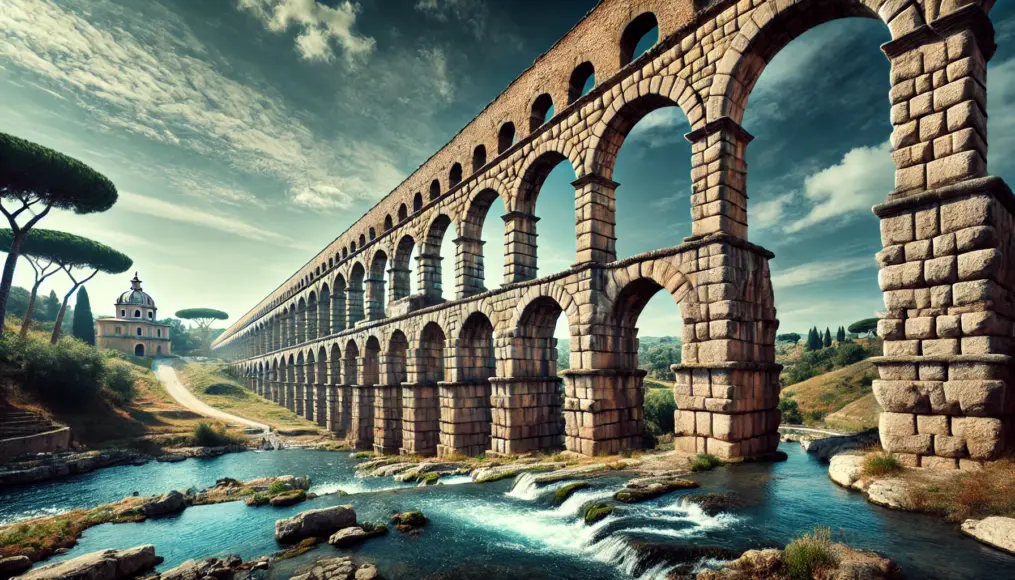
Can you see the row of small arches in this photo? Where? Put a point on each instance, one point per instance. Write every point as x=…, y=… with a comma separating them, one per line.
x=633, y=43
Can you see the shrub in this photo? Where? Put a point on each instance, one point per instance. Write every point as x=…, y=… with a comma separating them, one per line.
x=119, y=383
x=61, y=373
x=704, y=462
x=790, y=411
x=276, y=487
x=659, y=409
x=878, y=464
x=205, y=435
x=805, y=555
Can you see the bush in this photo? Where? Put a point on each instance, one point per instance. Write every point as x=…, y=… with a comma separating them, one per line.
x=790, y=411
x=119, y=383
x=849, y=353
x=805, y=555
x=276, y=488
x=704, y=462
x=63, y=373
x=659, y=409
x=205, y=435
x=878, y=464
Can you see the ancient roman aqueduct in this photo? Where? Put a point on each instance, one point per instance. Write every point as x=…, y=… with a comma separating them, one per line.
x=343, y=343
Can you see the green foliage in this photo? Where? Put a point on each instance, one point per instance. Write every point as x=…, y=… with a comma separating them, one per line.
x=823, y=360
x=276, y=487
x=83, y=325
x=704, y=462
x=805, y=555
x=205, y=435
x=565, y=491
x=880, y=464
x=31, y=170
x=62, y=374
x=840, y=335
x=790, y=337
x=596, y=512
x=659, y=409
x=50, y=307
x=119, y=382
x=865, y=326
x=827, y=341
x=198, y=314
x=790, y=411
x=68, y=250
x=849, y=353
x=814, y=341
x=17, y=301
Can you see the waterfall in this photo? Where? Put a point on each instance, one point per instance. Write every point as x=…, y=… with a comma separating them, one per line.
x=525, y=488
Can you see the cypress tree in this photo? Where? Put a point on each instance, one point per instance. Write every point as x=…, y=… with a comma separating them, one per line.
x=840, y=335
x=50, y=307
x=813, y=339
x=84, y=325
x=828, y=338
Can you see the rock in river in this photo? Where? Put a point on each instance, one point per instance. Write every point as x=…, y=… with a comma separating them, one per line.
x=14, y=565
x=353, y=535
x=104, y=565
x=314, y=523
x=170, y=503
x=648, y=487
x=994, y=531
x=339, y=569
x=845, y=470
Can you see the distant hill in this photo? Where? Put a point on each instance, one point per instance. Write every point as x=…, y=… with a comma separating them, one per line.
x=655, y=354
x=839, y=399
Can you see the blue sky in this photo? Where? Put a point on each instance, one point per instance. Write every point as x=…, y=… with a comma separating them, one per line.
x=244, y=135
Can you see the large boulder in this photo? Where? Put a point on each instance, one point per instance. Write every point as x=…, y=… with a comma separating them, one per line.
x=104, y=565
x=217, y=568
x=845, y=470
x=287, y=498
x=14, y=565
x=994, y=531
x=339, y=569
x=647, y=488
x=314, y=523
x=170, y=503
x=892, y=493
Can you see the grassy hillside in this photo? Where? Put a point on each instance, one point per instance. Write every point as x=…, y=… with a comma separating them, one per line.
x=842, y=396
x=212, y=383
x=128, y=402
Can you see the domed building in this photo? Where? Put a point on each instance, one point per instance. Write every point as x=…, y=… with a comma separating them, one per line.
x=133, y=329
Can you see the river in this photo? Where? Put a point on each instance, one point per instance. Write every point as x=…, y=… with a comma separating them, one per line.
x=511, y=528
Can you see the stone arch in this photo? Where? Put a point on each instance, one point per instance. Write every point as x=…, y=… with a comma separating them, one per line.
x=375, y=295
x=324, y=314
x=401, y=268
x=633, y=32
x=429, y=274
x=403, y=213
x=505, y=137
x=430, y=368
x=629, y=302
x=371, y=361
x=555, y=292
x=455, y=175
x=769, y=30
x=335, y=360
x=541, y=105
x=338, y=303
x=398, y=350
x=535, y=169
x=435, y=189
x=312, y=315
x=362, y=241
x=417, y=202
x=350, y=364
x=322, y=365
x=478, y=157
x=354, y=300
x=465, y=403
x=631, y=107
x=301, y=320
x=470, y=270
x=579, y=77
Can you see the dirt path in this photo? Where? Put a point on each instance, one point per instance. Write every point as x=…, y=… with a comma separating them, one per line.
x=167, y=375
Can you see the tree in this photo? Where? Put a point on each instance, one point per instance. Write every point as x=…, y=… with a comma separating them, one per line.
x=203, y=318
x=827, y=342
x=50, y=307
x=17, y=302
x=84, y=324
x=82, y=253
x=866, y=326
x=44, y=250
x=840, y=335
x=814, y=339
x=789, y=337
x=35, y=179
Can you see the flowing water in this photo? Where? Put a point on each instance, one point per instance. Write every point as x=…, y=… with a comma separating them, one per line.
x=511, y=528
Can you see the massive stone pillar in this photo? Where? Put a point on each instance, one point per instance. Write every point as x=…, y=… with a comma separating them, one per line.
x=333, y=401
x=468, y=267
x=428, y=270
x=399, y=283
x=727, y=386
x=420, y=419
x=387, y=418
x=719, y=179
x=596, y=220
x=519, y=247
x=948, y=237
x=354, y=305
x=604, y=410
x=361, y=421
x=321, y=404
x=525, y=397
x=464, y=417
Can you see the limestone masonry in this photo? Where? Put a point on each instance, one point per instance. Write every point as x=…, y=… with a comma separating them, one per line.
x=343, y=342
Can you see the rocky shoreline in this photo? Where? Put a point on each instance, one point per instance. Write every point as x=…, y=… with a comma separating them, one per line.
x=57, y=465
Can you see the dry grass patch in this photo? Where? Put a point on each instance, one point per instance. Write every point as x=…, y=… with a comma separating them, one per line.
x=969, y=494
x=880, y=464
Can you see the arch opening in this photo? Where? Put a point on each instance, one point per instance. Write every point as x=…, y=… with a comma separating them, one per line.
x=403, y=213
x=505, y=137
x=541, y=112
x=583, y=80
x=435, y=189
x=338, y=304
x=455, y=175
x=548, y=179
x=638, y=37
x=139, y=350
x=478, y=158
x=417, y=202
x=375, y=295
x=401, y=269
x=476, y=270
x=354, y=300
x=431, y=278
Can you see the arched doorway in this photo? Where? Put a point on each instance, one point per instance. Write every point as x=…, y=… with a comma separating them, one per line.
x=139, y=350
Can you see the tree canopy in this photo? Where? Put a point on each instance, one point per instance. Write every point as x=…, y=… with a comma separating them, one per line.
x=37, y=179
x=865, y=326
x=789, y=337
x=201, y=315
x=83, y=325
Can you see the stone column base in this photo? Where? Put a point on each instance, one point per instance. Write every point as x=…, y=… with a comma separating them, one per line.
x=320, y=405
x=361, y=420
x=420, y=415
x=387, y=418
x=299, y=399
x=308, y=402
x=334, y=420
x=946, y=411
x=727, y=409
x=525, y=414
x=290, y=397
x=603, y=410
x=465, y=418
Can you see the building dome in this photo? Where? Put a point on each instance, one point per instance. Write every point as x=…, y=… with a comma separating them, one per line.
x=135, y=296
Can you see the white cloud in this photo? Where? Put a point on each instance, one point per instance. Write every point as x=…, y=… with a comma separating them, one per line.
x=319, y=26
x=661, y=127
x=158, y=208
x=154, y=78
x=822, y=271
x=769, y=213
x=862, y=179
x=474, y=14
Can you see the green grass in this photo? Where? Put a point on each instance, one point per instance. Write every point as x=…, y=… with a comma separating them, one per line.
x=561, y=495
x=704, y=462
x=596, y=512
x=806, y=554
x=880, y=464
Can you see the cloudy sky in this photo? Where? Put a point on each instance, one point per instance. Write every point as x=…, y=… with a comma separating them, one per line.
x=244, y=135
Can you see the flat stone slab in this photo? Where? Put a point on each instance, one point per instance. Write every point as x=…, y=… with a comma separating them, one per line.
x=103, y=565
x=488, y=474
x=845, y=470
x=569, y=473
x=314, y=523
x=891, y=493
x=995, y=531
